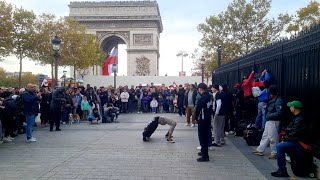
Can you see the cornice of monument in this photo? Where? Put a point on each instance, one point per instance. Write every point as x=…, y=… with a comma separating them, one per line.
x=155, y=16
x=112, y=3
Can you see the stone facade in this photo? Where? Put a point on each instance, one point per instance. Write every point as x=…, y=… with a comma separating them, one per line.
x=134, y=23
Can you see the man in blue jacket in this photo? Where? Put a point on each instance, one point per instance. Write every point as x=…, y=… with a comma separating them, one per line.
x=31, y=109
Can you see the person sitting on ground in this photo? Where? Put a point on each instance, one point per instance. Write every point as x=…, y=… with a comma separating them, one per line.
x=163, y=121
x=297, y=131
x=111, y=112
x=94, y=116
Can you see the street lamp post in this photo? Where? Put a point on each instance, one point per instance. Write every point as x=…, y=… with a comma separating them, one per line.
x=114, y=70
x=182, y=54
x=64, y=76
x=202, y=68
x=56, y=47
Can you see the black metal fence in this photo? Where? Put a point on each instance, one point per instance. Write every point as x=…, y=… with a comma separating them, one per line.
x=294, y=67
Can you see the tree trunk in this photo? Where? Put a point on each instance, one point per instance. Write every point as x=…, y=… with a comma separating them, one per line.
x=74, y=75
x=52, y=82
x=20, y=72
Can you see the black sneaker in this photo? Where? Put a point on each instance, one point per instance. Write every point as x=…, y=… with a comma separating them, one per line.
x=199, y=153
x=144, y=139
x=216, y=145
x=202, y=159
x=280, y=174
x=58, y=129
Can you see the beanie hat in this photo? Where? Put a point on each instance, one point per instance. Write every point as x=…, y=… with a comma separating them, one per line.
x=295, y=104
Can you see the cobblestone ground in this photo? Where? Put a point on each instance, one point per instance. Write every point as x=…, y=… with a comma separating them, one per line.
x=116, y=151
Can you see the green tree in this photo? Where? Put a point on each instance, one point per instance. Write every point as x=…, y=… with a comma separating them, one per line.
x=23, y=35
x=305, y=17
x=80, y=50
x=46, y=27
x=208, y=66
x=6, y=27
x=240, y=29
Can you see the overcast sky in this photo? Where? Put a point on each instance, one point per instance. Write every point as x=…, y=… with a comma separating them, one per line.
x=179, y=17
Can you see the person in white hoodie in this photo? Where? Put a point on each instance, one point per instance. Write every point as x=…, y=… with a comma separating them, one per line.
x=154, y=104
x=124, y=96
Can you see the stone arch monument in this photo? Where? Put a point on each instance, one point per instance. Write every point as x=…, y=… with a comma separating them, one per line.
x=134, y=23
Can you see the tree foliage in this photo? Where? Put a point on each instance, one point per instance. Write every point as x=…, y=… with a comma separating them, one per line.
x=6, y=27
x=240, y=29
x=208, y=66
x=14, y=82
x=305, y=17
x=80, y=50
x=26, y=35
x=23, y=35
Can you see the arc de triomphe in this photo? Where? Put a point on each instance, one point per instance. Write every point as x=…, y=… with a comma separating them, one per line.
x=134, y=23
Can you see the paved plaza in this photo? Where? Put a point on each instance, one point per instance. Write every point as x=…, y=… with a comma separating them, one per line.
x=116, y=151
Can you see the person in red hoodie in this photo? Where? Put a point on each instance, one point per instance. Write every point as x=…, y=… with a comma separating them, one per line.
x=247, y=85
x=249, y=106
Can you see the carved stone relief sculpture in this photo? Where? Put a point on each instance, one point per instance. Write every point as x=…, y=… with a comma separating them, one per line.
x=143, y=39
x=143, y=66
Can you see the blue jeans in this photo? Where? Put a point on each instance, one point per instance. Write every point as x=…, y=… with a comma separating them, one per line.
x=261, y=117
x=154, y=109
x=67, y=111
x=30, y=120
x=289, y=148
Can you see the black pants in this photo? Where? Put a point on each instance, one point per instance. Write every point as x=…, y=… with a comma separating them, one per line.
x=124, y=107
x=7, y=124
x=55, y=118
x=182, y=111
x=229, y=122
x=204, y=129
x=79, y=111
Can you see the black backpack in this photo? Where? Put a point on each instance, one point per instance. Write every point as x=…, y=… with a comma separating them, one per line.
x=252, y=135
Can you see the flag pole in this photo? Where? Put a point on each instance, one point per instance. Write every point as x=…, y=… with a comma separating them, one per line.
x=115, y=72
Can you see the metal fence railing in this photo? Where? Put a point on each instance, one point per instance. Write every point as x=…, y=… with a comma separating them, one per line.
x=294, y=67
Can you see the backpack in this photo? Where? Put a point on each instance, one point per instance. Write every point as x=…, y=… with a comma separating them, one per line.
x=252, y=135
x=256, y=91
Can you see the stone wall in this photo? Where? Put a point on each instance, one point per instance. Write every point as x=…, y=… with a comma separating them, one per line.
x=136, y=80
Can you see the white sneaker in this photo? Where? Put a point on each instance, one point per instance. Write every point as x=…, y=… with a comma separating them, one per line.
x=64, y=123
x=32, y=140
x=211, y=148
x=231, y=132
x=192, y=125
x=199, y=147
x=6, y=139
x=226, y=133
x=11, y=138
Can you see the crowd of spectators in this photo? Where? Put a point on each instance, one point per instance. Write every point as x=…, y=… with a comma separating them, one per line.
x=255, y=100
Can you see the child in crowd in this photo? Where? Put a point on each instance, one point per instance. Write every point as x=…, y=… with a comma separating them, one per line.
x=85, y=108
x=154, y=104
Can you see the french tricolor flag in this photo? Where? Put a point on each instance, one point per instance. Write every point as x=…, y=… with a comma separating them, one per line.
x=112, y=59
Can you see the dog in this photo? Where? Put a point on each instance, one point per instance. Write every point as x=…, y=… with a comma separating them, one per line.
x=73, y=118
